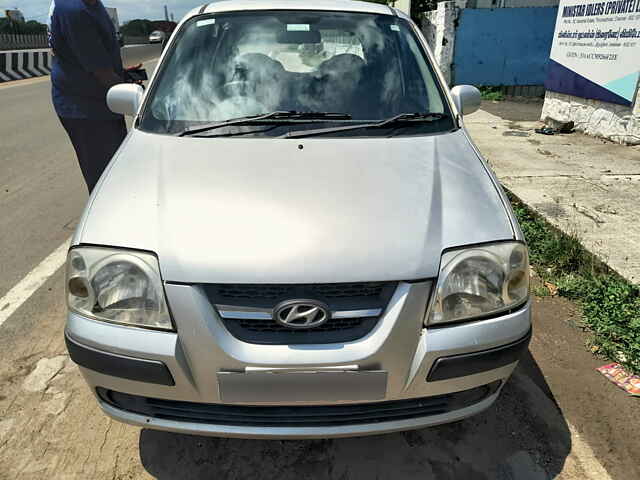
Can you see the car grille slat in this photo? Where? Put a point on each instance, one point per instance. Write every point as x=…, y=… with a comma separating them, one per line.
x=309, y=421
x=283, y=291
x=339, y=297
x=254, y=412
x=270, y=326
x=296, y=415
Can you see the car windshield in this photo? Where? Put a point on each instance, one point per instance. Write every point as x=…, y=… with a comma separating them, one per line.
x=367, y=67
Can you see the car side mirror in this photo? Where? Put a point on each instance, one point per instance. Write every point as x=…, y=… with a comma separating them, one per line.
x=125, y=98
x=467, y=99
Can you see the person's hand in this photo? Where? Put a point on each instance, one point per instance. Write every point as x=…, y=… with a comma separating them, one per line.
x=129, y=77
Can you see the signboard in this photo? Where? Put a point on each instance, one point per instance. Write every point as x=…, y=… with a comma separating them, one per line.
x=596, y=50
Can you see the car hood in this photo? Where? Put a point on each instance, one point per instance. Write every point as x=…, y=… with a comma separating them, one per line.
x=310, y=210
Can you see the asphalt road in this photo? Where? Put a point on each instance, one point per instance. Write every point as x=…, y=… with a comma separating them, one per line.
x=51, y=427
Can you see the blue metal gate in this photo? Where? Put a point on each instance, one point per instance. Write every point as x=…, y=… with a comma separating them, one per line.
x=505, y=46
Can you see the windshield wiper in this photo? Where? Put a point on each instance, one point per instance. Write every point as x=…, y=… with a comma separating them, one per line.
x=278, y=116
x=406, y=118
x=239, y=133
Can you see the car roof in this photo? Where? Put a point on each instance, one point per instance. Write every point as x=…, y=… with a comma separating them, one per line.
x=219, y=6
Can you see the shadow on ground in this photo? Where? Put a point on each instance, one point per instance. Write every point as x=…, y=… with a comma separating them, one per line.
x=523, y=436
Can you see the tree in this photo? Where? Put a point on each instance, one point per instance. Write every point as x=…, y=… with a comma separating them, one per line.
x=137, y=28
x=5, y=26
x=31, y=27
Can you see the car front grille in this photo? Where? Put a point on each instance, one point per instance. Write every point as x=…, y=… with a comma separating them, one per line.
x=270, y=294
x=297, y=416
x=363, y=296
x=333, y=325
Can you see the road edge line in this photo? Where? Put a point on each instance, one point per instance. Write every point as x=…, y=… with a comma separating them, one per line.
x=587, y=458
x=26, y=287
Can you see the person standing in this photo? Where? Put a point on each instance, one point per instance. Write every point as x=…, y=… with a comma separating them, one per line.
x=86, y=64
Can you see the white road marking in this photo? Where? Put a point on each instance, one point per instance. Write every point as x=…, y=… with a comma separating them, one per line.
x=588, y=461
x=32, y=282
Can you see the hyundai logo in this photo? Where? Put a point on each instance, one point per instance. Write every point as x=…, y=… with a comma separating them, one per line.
x=301, y=314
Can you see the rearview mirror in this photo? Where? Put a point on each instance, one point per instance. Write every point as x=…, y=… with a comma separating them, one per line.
x=125, y=98
x=299, y=37
x=467, y=99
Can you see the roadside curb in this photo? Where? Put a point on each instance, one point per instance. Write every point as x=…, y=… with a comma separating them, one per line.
x=22, y=64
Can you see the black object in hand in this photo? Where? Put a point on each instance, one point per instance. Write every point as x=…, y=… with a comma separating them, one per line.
x=135, y=76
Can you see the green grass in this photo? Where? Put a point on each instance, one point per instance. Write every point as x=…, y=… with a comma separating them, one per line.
x=492, y=93
x=610, y=305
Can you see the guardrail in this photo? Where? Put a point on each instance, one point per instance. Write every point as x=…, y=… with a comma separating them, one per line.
x=20, y=64
x=22, y=58
x=136, y=40
x=9, y=41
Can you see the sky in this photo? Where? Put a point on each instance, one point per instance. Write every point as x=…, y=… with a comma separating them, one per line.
x=127, y=9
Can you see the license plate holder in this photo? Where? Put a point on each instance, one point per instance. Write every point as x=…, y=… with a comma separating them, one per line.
x=294, y=387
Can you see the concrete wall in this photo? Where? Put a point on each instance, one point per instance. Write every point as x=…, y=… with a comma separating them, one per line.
x=439, y=27
x=22, y=42
x=20, y=64
x=404, y=5
x=617, y=123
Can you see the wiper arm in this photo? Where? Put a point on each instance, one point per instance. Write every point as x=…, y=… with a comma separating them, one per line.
x=403, y=117
x=239, y=133
x=274, y=116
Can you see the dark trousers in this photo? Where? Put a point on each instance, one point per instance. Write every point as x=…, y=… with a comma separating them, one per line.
x=95, y=142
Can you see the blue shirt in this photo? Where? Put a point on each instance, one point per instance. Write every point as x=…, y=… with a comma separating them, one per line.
x=83, y=39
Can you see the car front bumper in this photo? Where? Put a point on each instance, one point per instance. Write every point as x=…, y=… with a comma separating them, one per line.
x=191, y=369
x=297, y=432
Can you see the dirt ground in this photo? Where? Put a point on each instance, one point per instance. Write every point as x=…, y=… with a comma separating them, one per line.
x=557, y=418
x=522, y=110
x=606, y=417
x=586, y=186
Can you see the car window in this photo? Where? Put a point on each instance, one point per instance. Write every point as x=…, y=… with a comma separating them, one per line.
x=370, y=67
x=303, y=58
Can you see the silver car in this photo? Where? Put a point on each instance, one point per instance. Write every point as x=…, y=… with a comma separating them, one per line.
x=298, y=238
x=157, y=37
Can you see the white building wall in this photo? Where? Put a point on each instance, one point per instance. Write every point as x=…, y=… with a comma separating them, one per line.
x=404, y=5
x=440, y=31
x=617, y=123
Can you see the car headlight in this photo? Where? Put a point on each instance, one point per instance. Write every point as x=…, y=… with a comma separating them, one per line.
x=117, y=286
x=479, y=281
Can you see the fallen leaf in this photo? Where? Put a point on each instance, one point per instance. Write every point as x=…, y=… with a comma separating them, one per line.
x=553, y=290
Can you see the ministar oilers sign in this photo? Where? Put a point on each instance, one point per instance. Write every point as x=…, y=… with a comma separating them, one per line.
x=596, y=50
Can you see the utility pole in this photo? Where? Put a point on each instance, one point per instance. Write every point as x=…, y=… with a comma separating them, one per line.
x=166, y=13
